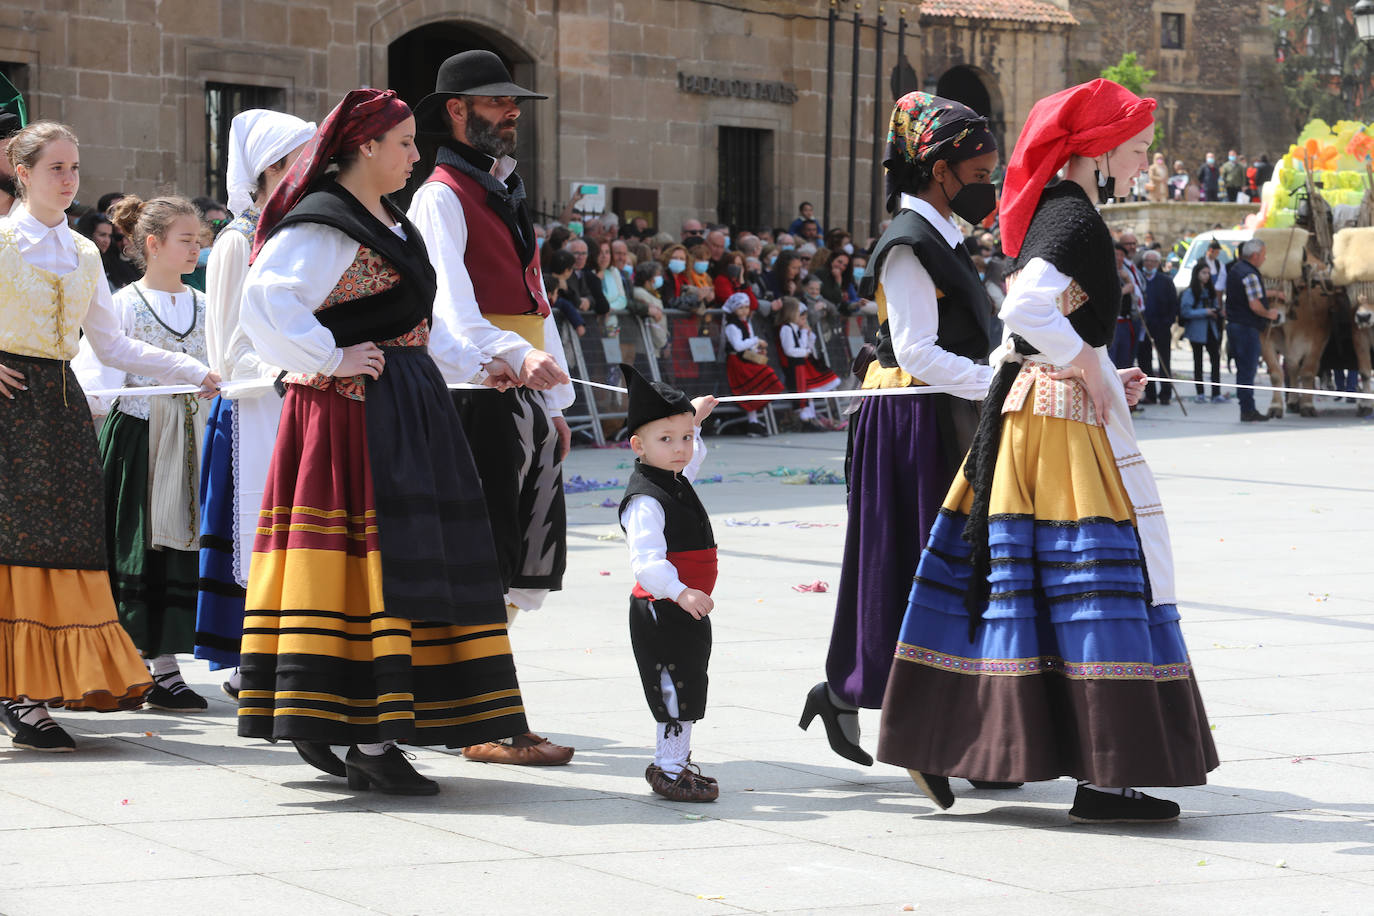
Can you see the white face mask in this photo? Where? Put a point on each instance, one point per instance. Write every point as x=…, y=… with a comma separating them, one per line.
x=848, y=248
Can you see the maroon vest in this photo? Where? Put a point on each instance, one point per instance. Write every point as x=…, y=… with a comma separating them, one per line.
x=502, y=285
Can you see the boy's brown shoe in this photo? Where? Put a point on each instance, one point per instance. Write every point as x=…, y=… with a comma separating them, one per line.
x=687, y=786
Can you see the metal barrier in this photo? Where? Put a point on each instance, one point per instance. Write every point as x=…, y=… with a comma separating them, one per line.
x=693, y=360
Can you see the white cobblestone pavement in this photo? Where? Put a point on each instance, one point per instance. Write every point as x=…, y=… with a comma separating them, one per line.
x=1273, y=526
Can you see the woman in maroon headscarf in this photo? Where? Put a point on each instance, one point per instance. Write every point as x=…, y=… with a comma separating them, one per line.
x=1041, y=639
x=374, y=612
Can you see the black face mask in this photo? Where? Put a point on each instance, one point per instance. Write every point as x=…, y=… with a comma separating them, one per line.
x=1106, y=187
x=734, y=271
x=974, y=201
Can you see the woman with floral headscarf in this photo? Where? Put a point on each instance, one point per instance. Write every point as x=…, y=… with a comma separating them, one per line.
x=1042, y=614
x=903, y=451
x=374, y=610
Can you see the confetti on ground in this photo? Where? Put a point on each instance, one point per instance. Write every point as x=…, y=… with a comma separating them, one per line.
x=150, y=734
x=1281, y=863
x=694, y=817
x=609, y=503
x=604, y=572
x=1301, y=759
x=818, y=587
x=794, y=524
x=124, y=802
x=578, y=484
x=709, y=896
x=755, y=522
x=1202, y=861
x=611, y=536
x=799, y=475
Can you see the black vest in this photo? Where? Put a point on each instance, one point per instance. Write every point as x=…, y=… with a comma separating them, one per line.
x=1238, y=300
x=965, y=310
x=686, y=525
x=1067, y=232
x=383, y=315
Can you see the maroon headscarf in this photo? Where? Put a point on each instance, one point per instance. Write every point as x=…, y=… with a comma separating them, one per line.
x=1085, y=120
x=363, y=115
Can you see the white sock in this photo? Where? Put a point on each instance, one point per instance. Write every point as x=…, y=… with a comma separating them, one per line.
x=235, y=681
x=29, y=712
x=807, y=413
x=751, y=416
x=1124, y=793
x=674, y=746
x=163, y=664
x=374, y=750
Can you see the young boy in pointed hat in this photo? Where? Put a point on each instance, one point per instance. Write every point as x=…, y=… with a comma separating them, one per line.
x=673, y=557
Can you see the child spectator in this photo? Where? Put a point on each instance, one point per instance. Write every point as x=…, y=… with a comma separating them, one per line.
x=797, y=353
x=746, y=362
x=673, y=558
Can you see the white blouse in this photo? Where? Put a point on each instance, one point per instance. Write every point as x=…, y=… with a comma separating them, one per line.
x=913, y=315
x=231, y=352
x=644, y=521
x=796, y=341
x=294, y=273
x=738, y=342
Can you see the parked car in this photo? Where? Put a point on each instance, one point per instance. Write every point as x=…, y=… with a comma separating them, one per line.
x=1230, y=239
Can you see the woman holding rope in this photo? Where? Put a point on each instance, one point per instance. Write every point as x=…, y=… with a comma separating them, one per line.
x=904, y=450
x=375, y=612
x=60, y=641
x=1042, y=615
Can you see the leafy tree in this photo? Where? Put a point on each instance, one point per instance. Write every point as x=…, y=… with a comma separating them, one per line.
x=1326, y=69
x=1131, y=74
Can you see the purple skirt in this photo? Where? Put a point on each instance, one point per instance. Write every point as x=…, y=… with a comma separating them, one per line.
x=899, y=475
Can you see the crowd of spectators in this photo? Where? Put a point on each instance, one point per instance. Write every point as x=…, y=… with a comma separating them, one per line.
x=1237, y=180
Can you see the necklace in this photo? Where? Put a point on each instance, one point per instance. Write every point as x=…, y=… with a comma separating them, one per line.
x=179, y=335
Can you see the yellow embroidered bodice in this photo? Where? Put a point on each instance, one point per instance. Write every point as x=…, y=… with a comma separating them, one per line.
x=41, y=312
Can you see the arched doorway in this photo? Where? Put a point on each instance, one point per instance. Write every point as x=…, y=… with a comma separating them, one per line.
x=978, y=90
x=413, y=62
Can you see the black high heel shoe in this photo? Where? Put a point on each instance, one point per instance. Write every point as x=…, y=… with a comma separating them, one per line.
x=818, y=704
x=390, y=773
x=319, y=756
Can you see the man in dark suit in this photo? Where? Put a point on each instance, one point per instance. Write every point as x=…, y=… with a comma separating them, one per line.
x=1161, y=311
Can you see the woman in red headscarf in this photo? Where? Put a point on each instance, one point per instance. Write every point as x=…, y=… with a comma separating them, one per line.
x=374, y=612
x=1042, y=615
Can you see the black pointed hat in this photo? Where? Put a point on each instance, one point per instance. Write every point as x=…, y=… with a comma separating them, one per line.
x=467, y=73
x=650, y=401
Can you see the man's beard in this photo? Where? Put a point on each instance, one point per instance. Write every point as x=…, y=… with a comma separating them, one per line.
x=484, y=137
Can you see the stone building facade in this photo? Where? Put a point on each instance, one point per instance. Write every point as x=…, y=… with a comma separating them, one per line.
x=706, y=108
x=151, y=84
x=1216, y=81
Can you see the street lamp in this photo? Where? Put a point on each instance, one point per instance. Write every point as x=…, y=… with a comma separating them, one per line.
x=1364, y=20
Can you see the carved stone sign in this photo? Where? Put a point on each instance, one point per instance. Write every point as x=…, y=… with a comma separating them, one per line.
x=780, y=93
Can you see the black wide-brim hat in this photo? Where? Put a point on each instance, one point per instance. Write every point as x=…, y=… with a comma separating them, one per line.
x=467, y=73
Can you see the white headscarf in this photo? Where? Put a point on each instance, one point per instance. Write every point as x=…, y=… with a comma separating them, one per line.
x=258, y=138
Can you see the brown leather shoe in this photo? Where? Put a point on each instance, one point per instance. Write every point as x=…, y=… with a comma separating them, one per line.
x=529, y=750
x=687, y=786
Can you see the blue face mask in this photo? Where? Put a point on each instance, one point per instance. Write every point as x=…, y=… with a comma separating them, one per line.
x=727, y=241
x=677, y=265
x=859, y=273
x=203, y=259
x=788, y=247
x=700, y=266
x=1150, y=274
x=538, y=241
x=658, y=281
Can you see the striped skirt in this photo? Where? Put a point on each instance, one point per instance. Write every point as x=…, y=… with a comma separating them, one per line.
x=1072, y=670
x=219, y=604
x=324, y=656
x=751, y=378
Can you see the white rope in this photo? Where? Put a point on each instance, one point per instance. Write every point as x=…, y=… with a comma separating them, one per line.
x=1325, y=392
x=238, y=389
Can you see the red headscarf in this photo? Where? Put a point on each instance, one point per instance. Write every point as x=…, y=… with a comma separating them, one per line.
x=363, y=115
x=1086, y=120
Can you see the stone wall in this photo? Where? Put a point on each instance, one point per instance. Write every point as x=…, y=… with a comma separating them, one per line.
x=1220, y=91
x=1173, y=221
x=130, y=76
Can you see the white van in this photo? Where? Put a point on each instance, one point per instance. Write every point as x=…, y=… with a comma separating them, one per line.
x=1230, y=240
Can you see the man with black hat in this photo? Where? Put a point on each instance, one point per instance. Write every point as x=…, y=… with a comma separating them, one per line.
x=473, y=216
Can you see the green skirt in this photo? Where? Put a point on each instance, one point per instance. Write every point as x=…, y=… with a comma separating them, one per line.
x=154, y=589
